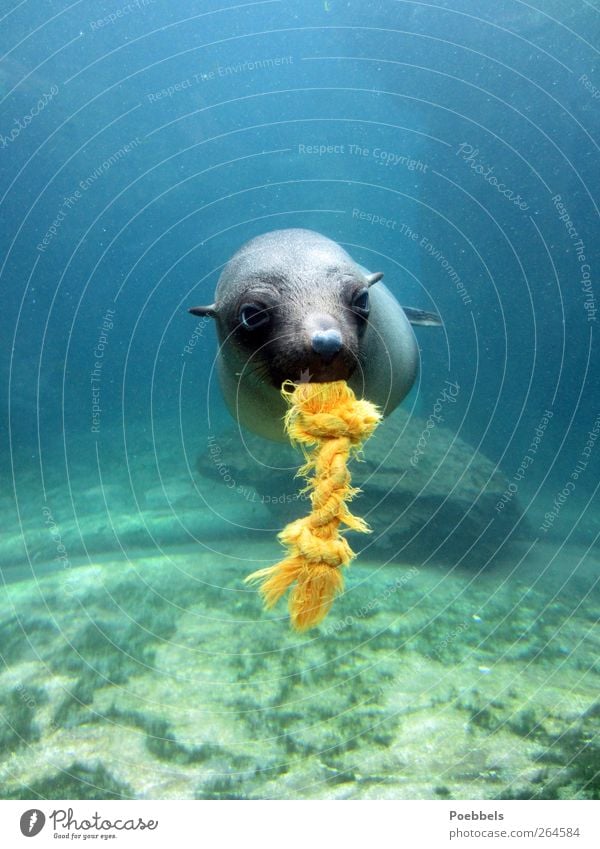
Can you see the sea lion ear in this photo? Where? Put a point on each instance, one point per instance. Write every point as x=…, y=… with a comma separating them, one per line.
x=373, y=278
x=422, y=318
x=210, y=310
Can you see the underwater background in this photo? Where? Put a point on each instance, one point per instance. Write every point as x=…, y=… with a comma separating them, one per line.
x=451, y=145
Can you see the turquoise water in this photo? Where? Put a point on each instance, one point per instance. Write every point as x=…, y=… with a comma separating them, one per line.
x=454, y=148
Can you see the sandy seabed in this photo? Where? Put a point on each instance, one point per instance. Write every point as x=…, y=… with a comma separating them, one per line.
x=162, y=677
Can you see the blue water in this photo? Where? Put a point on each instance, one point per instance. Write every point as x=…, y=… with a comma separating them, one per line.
x=451, y=145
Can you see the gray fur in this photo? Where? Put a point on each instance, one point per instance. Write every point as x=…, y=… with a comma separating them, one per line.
x=306, y=280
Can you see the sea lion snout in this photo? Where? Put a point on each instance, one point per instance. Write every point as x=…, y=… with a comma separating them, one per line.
x=327, y=343
x=322, y=353
x=324, y=334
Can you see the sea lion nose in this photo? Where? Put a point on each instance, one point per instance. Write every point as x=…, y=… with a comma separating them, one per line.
x=326, y=343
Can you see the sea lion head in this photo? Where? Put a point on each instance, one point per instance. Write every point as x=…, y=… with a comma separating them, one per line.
x=292, y=305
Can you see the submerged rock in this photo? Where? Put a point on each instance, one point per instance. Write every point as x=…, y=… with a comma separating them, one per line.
x=426, y=493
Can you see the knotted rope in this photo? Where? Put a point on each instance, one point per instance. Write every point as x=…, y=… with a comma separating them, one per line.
x=330, y=425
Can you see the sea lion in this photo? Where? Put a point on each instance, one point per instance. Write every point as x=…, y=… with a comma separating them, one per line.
x=293, y=305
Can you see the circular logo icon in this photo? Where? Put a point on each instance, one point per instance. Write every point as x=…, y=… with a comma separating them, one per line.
x=32, y=822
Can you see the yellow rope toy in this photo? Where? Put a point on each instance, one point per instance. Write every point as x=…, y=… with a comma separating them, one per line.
x=330, y=424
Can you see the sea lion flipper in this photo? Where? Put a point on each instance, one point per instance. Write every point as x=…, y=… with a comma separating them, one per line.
x=423, y=318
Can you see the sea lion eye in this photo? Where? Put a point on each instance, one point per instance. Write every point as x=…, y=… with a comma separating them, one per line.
x=360, y=303
x=253, y=316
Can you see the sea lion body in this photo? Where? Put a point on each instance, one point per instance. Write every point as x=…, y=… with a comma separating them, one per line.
x=293, y=305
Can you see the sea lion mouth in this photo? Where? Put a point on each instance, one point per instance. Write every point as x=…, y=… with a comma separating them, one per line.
x=312, y=368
